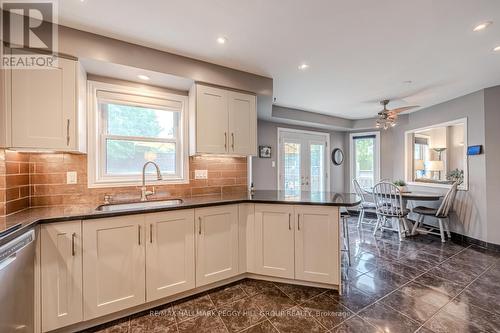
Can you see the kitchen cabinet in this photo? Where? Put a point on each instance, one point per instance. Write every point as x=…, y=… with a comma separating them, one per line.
x=274, y=240
x=297, y=242
x=45, y=108
x=170, y=264
x=317, y=244
x=61, y=274
x=222, y=121
x=113, y=264
x=216, y=243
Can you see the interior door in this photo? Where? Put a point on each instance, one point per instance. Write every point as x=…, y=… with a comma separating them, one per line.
x=303, y=161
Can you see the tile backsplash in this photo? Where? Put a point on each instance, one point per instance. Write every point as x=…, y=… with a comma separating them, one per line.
x=38, y=179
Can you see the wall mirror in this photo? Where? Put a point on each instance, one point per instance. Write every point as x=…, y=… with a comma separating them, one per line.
x=437, y=155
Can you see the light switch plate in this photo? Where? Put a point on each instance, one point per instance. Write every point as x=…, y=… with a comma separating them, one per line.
x=273, y=164
x=200, y=174
x=71, y=177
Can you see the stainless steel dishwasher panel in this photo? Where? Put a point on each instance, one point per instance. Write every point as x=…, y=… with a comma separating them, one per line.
x=17, y=289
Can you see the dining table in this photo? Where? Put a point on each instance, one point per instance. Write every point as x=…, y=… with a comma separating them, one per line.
x=411, y=195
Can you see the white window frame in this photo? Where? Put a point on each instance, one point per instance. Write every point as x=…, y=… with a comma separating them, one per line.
x=96, y=152
x=326, y=136
x=351, y=156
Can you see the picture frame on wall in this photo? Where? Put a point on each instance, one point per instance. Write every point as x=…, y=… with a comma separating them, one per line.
x=265, y=151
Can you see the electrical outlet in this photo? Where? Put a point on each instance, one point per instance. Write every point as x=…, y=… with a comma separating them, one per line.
x=273, y=164
x=71, y=177
x=200, y=174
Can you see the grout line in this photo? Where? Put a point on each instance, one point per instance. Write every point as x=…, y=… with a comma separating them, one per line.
x=455, y=297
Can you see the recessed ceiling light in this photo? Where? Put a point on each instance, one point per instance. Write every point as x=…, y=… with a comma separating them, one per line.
x=221, y=40
x=497, y=49
x=482, y=26
x=143, y=77
x=303, y=67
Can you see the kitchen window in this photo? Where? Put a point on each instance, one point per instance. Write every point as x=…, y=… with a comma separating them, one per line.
x=130, y=127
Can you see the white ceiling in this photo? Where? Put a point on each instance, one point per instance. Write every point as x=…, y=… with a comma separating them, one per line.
x=359, y=51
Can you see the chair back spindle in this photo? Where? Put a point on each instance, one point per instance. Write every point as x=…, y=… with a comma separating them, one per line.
x=388, y=199
x=447, y=203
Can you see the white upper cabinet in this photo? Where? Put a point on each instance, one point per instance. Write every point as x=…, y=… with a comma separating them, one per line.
x=113, y=264
x=317, y=252
x=169, y=253
x=216, y=243
x=45, y=108
x=222, y=121
x=242, y=124
x=61, y=274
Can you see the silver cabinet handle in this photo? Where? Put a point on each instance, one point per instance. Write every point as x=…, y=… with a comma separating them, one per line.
x=199, y=225
x=73, y=251
x=290, y=221
x=139, y=233
x=298, y=222
x=232, y=142
x=151, y=233
x=67, y=132
x=225, y=140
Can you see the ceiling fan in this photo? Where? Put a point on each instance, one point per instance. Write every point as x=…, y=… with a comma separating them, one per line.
x=387, y=118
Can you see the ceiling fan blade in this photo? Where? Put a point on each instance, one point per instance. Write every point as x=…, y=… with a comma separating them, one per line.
x=403, y=109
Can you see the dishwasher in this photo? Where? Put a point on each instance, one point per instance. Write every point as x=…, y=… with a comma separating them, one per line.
x=17, y=291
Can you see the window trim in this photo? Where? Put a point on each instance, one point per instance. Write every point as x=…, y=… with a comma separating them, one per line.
x=351, y=155
x=95, y=179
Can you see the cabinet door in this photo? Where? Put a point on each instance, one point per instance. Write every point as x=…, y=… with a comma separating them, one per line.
x=242, y=124
x=211, y=120
x=216, y=243
x=61, y=274
x=169, y=253
x=113, y=264
x=317, y=244
x=274, y=240
x=43, y=107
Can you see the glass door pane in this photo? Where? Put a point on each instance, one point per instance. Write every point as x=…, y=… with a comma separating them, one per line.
x=291, y=167
x=364, y=161
x=317, y=167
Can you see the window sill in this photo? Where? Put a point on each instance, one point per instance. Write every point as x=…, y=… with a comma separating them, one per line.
x=435, y=185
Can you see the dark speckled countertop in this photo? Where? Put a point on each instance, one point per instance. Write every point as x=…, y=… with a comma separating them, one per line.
x=30, y=217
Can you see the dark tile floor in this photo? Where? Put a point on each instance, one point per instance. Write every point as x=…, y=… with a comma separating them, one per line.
x=418, y=285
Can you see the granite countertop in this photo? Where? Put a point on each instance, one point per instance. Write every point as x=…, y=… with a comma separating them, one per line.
x=30, y=217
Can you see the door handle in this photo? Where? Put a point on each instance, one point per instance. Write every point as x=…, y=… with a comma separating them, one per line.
x=67, y=132
x=289, y=221
x=73, y=251
x=298, y=222
x=199, y=225
x=225, y=140
x=139, y=233
x=232, y=142
x=151, y=233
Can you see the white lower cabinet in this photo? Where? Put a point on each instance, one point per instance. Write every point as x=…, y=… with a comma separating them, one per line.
x=61, y=274
x=297, y=242
x=317, y=244
x=274, y=239
x=169, y=253
x=96, y=267
x=216, y=243
x=113, y=264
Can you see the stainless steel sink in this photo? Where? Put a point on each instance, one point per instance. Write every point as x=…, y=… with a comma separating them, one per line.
x=139, y=205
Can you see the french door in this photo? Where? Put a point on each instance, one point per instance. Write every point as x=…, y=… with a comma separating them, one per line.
x=303, y=161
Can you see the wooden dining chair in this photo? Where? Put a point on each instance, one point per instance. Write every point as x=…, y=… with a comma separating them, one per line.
x=389, y=204
x=365, y=204
x=442, y=214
